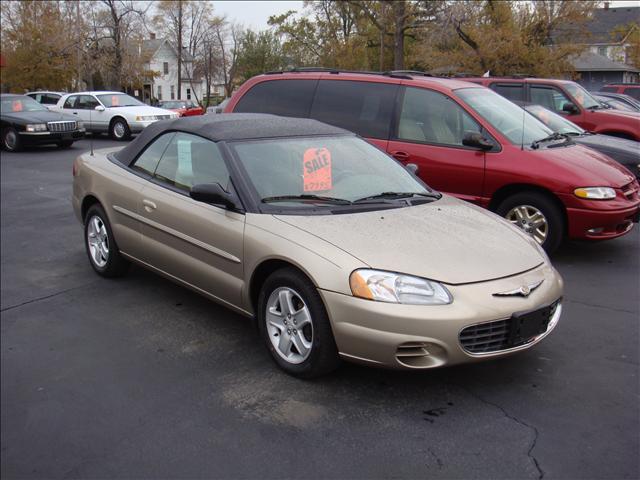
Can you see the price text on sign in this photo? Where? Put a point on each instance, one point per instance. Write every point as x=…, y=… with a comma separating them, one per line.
x=316, y=166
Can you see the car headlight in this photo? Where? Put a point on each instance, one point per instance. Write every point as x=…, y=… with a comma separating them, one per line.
x=595, y=193
x=37, y=127
x=79, y=125
x=397, y=288
x=145, y=118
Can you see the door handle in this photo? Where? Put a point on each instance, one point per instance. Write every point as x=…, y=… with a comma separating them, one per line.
x=402, y=156
x=75, y=113
x=149, y=206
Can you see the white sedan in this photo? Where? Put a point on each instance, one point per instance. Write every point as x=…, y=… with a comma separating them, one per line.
x=115, y=113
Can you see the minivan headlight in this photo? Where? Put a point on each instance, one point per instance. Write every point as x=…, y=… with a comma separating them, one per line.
x=595, y=193
x=397, y=288
x=37, y=127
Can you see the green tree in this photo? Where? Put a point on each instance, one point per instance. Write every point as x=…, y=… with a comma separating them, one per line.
x=259, y=52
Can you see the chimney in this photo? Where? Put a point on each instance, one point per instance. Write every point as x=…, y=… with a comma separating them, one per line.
x=606, y=5
x=152, y=35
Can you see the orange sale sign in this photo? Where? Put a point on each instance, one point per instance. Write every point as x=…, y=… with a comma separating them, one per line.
x=316, y=166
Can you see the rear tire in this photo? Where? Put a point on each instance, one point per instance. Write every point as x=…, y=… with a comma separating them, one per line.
x=101, y=246
x=299, y=338
x=11, y=140
x=119, y=129
x=536, y=214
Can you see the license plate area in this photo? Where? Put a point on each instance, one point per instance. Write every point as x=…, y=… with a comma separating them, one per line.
x=526, y=326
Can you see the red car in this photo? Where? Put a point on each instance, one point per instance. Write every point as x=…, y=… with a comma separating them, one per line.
x=569, y=99
x=631, y=89
x=467, y=141
x=184, y=108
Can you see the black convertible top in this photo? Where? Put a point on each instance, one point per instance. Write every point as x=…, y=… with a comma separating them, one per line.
x=230, y=126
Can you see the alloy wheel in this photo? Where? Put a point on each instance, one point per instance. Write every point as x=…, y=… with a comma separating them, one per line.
x=11, y=140
x=119, y=130
x=531, y=220
x=98, y=241
x=289, y=325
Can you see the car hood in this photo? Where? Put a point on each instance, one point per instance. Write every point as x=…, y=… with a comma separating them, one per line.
x=141, y=110
x=612, y=146
x=586, y=166
x=447, y=240
x=42, y=116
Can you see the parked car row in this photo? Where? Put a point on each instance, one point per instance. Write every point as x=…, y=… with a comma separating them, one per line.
x=469, y=142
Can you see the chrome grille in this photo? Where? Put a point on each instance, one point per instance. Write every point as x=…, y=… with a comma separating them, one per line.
x=630, y=190
x=64, y=126
x=501, y=334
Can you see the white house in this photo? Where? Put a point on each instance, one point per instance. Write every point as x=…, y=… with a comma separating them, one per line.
x=164, y=63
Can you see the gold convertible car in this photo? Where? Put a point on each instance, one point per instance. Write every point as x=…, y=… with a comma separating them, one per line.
x=335, y=248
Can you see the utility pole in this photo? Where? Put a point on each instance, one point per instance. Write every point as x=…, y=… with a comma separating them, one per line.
x=179, y=49
x=78, y=39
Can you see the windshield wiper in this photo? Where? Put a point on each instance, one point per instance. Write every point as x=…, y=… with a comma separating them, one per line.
x=314, y=198
x=397, y=195
x=553, y=136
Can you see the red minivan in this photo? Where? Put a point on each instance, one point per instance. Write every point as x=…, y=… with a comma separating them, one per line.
x=467, y=141
x=569, y=99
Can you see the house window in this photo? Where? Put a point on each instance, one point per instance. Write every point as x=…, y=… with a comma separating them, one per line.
x=165, y=67
x=173, y=93
x=602, y=51
x=188, y=94
x=159, y=92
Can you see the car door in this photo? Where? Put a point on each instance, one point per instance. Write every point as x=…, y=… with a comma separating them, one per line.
x=69, y=107
x=429, y=131
x=197, y=243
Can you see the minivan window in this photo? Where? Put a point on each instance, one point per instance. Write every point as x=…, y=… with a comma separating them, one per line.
x=362, y=107
x=549, y=97
x=505, y=116
x=512, y=91
x=432, y=117
x=581, y=96
x=289, y=98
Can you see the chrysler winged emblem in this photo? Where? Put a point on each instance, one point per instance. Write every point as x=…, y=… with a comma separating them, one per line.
x=523, y=291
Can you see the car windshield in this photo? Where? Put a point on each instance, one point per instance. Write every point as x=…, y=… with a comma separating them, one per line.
x=341, y=169
x=119, y=100
x=173, y=105
x=581, y=96
x=21, y=104
x=555, y=122
x=506, y=117
x=618, y=104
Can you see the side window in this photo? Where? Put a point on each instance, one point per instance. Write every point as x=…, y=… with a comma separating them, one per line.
x=86, y=102
x=149, y=158
x=633, y=92
x=190, y=160
x=290, y=98
x=50, y=99
x=362, y=107
x=70, y=102
x=431, y=117
x=512, y=91
x=549, y=97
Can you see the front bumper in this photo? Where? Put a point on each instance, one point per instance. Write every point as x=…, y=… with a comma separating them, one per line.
x=394, y=336
x=44, y=138
x=601, y=224
x=137, y=127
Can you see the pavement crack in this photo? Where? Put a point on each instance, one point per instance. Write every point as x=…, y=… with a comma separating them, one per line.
x=604, y=307
x=533, y=429
x=45, y=297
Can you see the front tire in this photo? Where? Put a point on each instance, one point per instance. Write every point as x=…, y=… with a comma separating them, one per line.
x=294, y=325
x=11, y=140
x=119, y=129
x=537, y=215
x=101, y=246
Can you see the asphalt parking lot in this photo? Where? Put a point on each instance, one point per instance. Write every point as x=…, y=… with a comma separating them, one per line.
x=140, y=378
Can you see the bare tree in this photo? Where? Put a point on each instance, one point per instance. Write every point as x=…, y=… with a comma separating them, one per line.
x=227, y=38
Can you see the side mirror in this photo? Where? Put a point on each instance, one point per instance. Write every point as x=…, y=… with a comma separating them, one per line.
x=413, y=168
x=475, y=139
x=99, y=108
x=570, y=108
x=212, y=193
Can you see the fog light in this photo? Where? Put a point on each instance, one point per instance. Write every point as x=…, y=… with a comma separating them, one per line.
x=595, y=231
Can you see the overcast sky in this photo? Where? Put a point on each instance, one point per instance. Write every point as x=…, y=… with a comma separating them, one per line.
x=255, y=14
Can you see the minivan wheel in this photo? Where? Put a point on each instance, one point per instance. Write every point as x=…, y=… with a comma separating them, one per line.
x=120, y=129
x=104, y=256
x=294, y=325
x=537, y=215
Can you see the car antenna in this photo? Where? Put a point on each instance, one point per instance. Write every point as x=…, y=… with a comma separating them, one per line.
x=524, y=112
